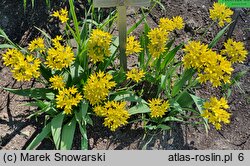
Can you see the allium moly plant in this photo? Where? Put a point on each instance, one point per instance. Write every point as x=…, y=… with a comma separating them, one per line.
x=84, y=81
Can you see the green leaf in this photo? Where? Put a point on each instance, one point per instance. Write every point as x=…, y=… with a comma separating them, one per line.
x=130, y=97
x=119, y=76
x=56, y=128
x=40, y=104
x=6, y=46
x=163, y=127
x=68, y=134
x=170, y=55
x=179, y=85
x=218, y=36
x=139, y=109
x=75, y=22
x=84, y=139
x=133, y=27
x=172, y=119
x=185, y=100
x=3, y=35
x=37, y=93
x=199, y=104
x=45, y=72
x=38, y=139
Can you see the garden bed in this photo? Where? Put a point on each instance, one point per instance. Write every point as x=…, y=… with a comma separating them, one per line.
x=16, y=131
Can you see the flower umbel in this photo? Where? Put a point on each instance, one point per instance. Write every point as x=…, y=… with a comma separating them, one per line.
x=221, y=13
x=235, y=51
x=97, y=87
x=115, y=114
x=210, y=65
x=59, y=56
x=158, y=38
x=57, y=82
x=170, y=25
x=215, y=112
x=158, y=107
x=37, y=44
x=98, y=45
x=133, y=46
x=196, y=55
x=135, y=74
x=22, y=67
x=67, y=98
x=62, y=15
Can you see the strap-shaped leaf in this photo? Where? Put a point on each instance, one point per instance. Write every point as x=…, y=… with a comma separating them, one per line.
x=106, y=3
x=37, y=93
x=139, y=109
x=218, y=36
x=56, y=128
x=38, y=139
x=68, y=134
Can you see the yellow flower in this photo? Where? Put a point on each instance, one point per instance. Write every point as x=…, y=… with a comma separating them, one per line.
x=215, y=112
x=221, y=13
x=158, y=107
x=135, y=74
x=26, y=69
x=210, y=65
x=178, y=22
x=115, y=114
x=62, y=15
x=97, y=87
x=166, y=24
x=217, y=70
x=196, y=55
x=56, y=41
x=100, y=110
x=98, y=45
x=57, y=82
x=133, y=46
x=170, y=25
x=22, y=67
x=36, y=44
x=235, y=51
x=12, y=57
x=67, y=98
x=59, y=56
x=158, y=38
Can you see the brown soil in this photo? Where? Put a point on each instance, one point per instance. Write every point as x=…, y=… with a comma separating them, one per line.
x=16, y=131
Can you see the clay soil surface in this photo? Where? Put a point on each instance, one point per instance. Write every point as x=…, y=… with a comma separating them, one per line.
x=17, y=131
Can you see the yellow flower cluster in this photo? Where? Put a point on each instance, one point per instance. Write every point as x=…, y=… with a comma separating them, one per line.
x=158, y=39
x=67, y=98
x=98, y=45
x=57, y=82
x=135, y=74
x=59, y=56
x=170, y=25
x=210, y=65
x=23, y=67
x=221, y=13
x=62, y=15
x=159, y=36
x=97, y=87
x=235, y=51
x=158, y=107
x=115, y=114
x=133, y=46
x=37, y=44
x=215, y=112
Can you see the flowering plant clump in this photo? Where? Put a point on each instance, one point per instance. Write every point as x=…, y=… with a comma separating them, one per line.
x=83, y=81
